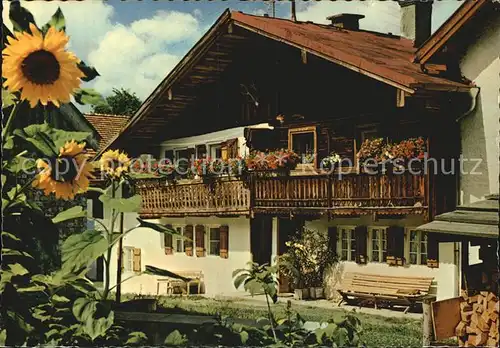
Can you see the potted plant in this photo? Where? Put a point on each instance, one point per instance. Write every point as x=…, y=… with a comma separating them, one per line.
x=410, y=152
x=307, y=258
x=331, y=162
x=278, y=161
x=372, y=153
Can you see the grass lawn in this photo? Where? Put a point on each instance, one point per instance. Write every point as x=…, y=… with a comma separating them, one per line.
x=377, y=330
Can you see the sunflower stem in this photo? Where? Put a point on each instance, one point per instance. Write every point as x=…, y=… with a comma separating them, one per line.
x=8, y=125
x=110, y=236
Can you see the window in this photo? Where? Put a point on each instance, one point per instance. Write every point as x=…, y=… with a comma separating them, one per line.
x=378, y=238
x=201, y=151
x=128, y=259
x=183, y=160
x=215, y=151
x=347, y=243
x=417, y=250
x=303, y=142
x=179, y=245
x=214, y=241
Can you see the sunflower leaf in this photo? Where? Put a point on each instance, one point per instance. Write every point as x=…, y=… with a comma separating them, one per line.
x=69, y=214
x=8, y=98
x=20, y=17
x=43, y=134
x=78, y=250
x=122, y=205
x=57, y=21
x=88, y=96
x=89, y=71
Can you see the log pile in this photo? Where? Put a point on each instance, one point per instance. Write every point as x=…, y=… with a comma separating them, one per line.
x=479, y=320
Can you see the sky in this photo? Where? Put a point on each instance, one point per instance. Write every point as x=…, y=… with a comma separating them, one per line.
x=134, y=44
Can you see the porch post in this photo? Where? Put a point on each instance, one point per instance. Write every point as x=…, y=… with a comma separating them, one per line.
x=274, y=241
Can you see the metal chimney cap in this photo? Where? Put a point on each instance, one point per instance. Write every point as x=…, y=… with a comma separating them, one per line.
x=342, y=16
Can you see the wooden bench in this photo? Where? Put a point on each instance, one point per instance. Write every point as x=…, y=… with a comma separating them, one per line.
x=405, y=291
x=196, y=278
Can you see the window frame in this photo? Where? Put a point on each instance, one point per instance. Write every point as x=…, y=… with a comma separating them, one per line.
x=176, y=238
x=304, y=130
x=419, y=253
x=130, y=250
x=351, y=254
x=380, y=244
x=208, y=240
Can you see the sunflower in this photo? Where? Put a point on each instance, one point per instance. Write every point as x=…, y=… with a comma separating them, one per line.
x=40, y=66
x=67, y=174
x=114, y=163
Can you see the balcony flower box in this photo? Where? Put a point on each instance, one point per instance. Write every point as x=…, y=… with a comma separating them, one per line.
x=274, y=161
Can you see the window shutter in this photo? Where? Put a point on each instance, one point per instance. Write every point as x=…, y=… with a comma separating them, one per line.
x=137, y=260
x=395, y=245
x=224, y=151
x=360, y=234
x=200, y=240
x=188, y=241
x=224, y=241
x=232, y=148
x=332, y=238
x=169, y=245
x=432, y=251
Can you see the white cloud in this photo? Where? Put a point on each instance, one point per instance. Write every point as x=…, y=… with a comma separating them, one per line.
x=135, y=56
x=382, y=16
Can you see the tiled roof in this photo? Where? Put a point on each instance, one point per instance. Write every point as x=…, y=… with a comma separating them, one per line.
x=384, y=56
x=107, y=126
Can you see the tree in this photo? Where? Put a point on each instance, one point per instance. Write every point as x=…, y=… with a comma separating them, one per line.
x=121, y=102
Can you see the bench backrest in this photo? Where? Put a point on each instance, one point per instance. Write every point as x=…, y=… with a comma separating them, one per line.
x=384, y=284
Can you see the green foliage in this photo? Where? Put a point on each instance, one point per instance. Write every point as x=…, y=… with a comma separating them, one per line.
x=79, y=250
x=122, y=205
x=20, y=16
x=121, y=102
x=89, y=71
x=175, y=338
x=87, y=96
x=307, y=258
x=95, y=316
x=57, y=21
x=69, y=214
x=8, y=99
x=47, y=140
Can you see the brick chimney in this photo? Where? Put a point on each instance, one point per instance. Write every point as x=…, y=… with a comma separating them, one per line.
x=416, y=20
x=348, y=21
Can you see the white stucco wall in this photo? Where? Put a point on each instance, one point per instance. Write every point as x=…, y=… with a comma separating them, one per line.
x=480, y=129
x=217, y=271
x=446, y=276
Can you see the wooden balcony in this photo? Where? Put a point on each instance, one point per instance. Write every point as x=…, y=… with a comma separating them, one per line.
x=227, y=197
x=349, y=195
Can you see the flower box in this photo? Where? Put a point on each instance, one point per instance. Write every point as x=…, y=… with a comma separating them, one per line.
x=432, y=263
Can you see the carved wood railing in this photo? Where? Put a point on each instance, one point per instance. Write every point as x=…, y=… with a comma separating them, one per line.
x=350, y=194
x=354, y=193
x=226, y=197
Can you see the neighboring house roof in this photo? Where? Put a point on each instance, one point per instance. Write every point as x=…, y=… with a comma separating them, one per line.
x=107, y=126
x=450, y=28
x=479, y=219
x=384, y=57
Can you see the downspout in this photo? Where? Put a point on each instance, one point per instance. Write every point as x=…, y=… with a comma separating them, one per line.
x=473, y=93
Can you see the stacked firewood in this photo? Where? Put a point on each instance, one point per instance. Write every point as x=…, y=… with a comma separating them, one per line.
x=479, y=320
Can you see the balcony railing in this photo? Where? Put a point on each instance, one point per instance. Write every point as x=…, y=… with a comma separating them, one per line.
x=228, y=197
x=350, y=194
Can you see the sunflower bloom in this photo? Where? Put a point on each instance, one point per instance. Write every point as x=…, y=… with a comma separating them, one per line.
x=114, y=163
x=67, y=174
x=40, y=67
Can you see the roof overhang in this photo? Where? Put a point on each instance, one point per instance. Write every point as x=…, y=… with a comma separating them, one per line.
x=479, y=219
x=461, y=228
x=449, y=29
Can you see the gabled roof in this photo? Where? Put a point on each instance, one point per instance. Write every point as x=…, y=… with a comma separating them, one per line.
x=384, y=57
x=450, y=28
x=107, y=126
